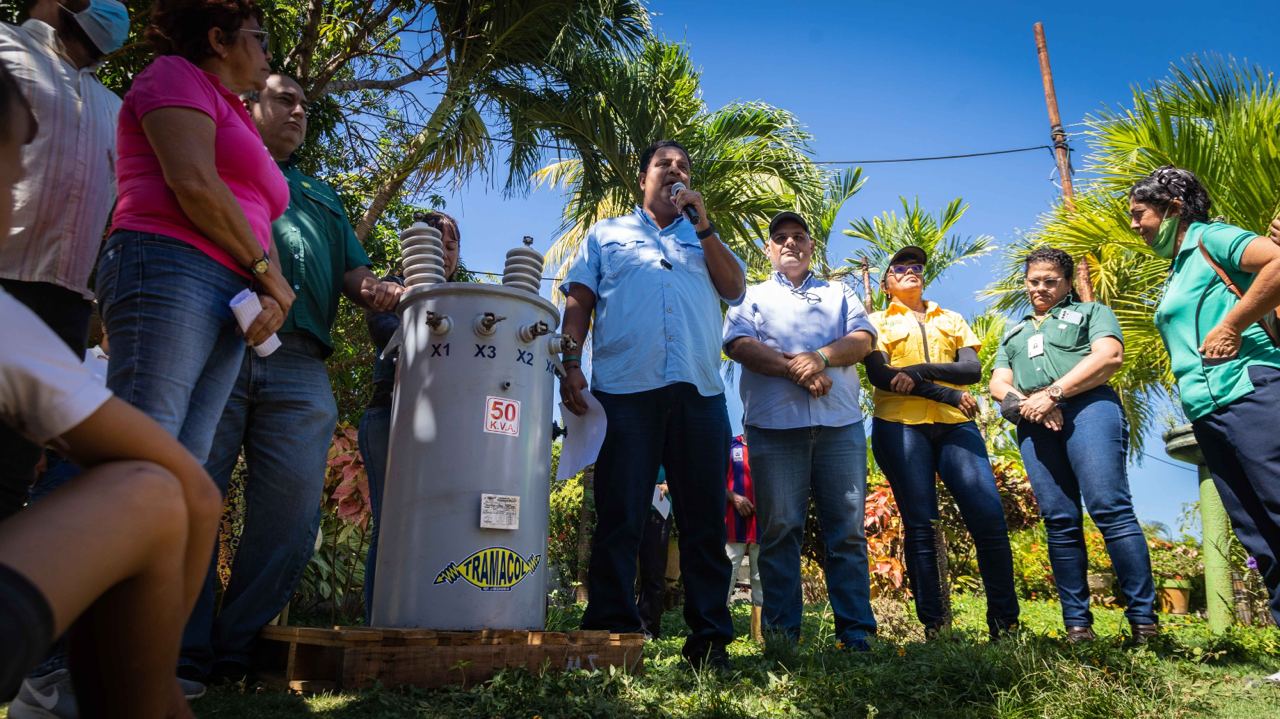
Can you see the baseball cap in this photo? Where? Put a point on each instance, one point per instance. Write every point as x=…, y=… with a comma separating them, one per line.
x=782, y=217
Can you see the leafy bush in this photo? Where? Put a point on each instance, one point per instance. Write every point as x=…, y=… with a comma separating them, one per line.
x=1175, y=560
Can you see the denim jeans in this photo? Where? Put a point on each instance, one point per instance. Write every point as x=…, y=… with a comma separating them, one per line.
x=375, y=440
x=787, y=465
x=1242, y=451
x=1088, y=459
x=912, y=456
x=282, y=413
x=688, y=434
x=67, y=314
x=175, y=351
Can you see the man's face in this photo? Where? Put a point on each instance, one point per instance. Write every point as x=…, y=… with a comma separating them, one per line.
x=11, y=162
x=281, y=116
x=668, y=166
x=790, y=248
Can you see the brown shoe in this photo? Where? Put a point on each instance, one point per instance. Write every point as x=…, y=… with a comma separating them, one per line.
x=1078, y=635
x=1142, y=633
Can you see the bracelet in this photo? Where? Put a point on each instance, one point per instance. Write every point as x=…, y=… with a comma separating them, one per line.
x=570, y=358
x=825, y=361
x=711, y=230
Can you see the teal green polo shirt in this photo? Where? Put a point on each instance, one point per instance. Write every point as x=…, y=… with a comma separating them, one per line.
x=1040, y=354
x=317, y=247
x=1194, y=301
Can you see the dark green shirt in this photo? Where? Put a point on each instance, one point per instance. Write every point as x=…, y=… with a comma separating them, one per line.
x=317, y=247
x=1040, y=354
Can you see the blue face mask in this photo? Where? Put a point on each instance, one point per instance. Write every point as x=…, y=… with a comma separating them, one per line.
x=106, y=22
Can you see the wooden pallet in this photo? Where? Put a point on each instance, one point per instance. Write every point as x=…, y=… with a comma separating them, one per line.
x=311, y=659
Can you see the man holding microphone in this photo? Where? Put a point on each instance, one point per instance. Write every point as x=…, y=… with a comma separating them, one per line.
x=654, y=280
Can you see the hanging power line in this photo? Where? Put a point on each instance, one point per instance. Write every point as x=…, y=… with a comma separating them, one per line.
x=1148, y=455
x=880, y=161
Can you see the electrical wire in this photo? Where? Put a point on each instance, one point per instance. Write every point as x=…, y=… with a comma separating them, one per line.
x=1148, y=455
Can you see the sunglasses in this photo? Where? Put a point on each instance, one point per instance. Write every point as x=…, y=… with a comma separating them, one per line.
x=264, y=40
x=899, y=270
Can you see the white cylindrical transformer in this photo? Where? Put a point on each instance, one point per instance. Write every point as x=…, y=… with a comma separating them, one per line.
x=463, y=539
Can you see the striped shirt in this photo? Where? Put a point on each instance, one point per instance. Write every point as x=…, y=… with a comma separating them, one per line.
x=61, y=206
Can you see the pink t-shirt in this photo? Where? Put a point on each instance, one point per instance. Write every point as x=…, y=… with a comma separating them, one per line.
x=146, y=204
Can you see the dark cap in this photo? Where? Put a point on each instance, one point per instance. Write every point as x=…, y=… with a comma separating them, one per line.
x=908, y=254
x=782, y=217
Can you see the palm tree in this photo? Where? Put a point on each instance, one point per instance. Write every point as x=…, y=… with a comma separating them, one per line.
x=750, y=160
x=890, y=232
x=1217, y=118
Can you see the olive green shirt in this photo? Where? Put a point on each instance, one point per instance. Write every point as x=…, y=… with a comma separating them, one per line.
x=1041, y=354
x=1194, y=301
x=317, y=247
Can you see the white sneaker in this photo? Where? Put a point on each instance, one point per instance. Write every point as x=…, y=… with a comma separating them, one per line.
x=1274, y=678
x=46, y=697
x=191, y=689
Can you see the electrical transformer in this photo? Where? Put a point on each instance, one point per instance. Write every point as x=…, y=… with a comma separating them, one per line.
x=463, y=539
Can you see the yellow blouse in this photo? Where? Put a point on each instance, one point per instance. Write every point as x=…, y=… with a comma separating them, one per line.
x=907, y=341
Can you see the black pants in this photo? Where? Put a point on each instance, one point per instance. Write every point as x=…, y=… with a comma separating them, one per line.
x=67, y=314
x=651, y=585
x=688, y=435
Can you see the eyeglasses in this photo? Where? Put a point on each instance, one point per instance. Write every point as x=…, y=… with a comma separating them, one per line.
x=782, y=237
x=264, y=40
x=1049, y=284
x=899, y=270
x=812, y=298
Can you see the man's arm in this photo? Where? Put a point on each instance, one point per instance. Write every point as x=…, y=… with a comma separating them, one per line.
x=757, y=356
x=844, y=352
x=364, y=288
x=579, y=303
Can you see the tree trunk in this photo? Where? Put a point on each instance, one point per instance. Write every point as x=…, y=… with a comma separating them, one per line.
x=381, y=199
x=586, y=523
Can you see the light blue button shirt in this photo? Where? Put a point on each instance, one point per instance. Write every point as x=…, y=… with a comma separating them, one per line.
x=798, y=319
x=657, y=316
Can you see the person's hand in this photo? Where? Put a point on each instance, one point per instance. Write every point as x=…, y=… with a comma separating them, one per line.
x=572, y=386
x=968, y=405
x=663, y=489
x=902, y=383
x=277, y=287
x=802, y=367
x=819, y=385
x=1053, y=419
x=382, y=296
x=1274, y=231
x=687, y=197
x=742, y=505
x=1035, y=407
x=270, y=319
x=1222, y=342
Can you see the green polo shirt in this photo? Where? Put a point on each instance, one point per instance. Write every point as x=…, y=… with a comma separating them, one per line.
x=1040, y=354
x=1194, y=301
x=317, y=247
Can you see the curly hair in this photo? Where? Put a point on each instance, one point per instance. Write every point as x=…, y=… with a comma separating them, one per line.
x=181, y=27
x=1170, y=183
x=1050, y=256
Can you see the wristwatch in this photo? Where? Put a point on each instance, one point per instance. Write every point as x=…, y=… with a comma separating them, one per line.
x=261, y=265
x=1055, y=392
x=711, y=230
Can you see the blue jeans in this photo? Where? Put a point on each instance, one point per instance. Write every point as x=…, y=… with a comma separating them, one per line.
x=282, y=413
x=912, y=456
x=786, y=466
x=1088, y=459
x=375, y=440
x=688, y=434
x=1242, y=451
x=175, y=351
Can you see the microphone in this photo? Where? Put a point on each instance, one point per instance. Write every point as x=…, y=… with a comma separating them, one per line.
x=689, y=211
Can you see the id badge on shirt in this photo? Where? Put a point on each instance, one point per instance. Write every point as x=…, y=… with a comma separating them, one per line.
x=1035, y=345
x=1071, y=316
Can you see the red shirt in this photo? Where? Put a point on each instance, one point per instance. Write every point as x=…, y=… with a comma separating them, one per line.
x=740, y=530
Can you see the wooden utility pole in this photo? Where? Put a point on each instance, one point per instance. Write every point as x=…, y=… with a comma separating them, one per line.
x=866, y=283
x=1084, y=285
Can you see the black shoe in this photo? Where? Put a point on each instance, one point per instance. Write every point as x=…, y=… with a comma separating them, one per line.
x=707, y=656
x=1140, y=634
x=1079, y=635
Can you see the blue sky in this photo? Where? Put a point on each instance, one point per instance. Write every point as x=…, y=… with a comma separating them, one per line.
x=888, y=79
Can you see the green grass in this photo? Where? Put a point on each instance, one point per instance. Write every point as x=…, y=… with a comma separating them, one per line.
x=1186, y=673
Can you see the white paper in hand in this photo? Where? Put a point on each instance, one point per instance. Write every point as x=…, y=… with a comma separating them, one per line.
x=661, y=502
x=246, y=307
x=584, y=435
